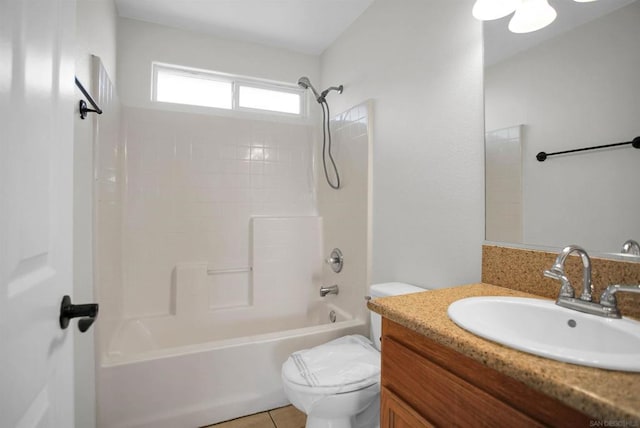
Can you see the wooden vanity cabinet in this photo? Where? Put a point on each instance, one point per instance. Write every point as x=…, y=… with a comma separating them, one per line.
x=426, y=384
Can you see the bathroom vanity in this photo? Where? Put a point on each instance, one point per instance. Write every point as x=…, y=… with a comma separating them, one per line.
x=425, y=384
x=435, y=373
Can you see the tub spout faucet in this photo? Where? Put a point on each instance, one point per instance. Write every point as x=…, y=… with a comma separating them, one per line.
x=333, y=289
x=557, y=272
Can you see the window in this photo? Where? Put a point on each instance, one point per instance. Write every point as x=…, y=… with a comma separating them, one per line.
x=269, y=99
x=188, y=88
x=180, y=85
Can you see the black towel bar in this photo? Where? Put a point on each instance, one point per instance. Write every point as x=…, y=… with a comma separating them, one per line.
x=635, y=143
x=83, y=105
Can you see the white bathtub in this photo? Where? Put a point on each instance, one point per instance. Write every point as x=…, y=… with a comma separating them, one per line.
x=173, y=372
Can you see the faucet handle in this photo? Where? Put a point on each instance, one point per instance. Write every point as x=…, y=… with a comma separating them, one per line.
x=553, y=273
x=631, y=247
x=566, y=289
x=608, y=297
x=336, y=260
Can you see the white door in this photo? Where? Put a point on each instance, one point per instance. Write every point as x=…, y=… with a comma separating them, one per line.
x=36, y=141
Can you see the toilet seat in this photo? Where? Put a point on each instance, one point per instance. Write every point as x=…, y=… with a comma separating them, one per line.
x=346, y=364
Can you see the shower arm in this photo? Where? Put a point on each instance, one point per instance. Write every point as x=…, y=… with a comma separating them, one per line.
x=324, y=93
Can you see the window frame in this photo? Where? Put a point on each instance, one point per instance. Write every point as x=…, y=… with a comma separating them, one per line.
x=236, y=82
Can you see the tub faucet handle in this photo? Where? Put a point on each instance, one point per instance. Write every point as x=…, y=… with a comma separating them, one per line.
x=336, y=260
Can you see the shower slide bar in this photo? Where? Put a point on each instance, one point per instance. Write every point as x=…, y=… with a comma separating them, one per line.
x=230, y=270
x=635, y=143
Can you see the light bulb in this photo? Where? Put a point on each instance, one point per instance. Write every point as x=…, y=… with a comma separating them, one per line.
x=487, y=10
x=532, y=15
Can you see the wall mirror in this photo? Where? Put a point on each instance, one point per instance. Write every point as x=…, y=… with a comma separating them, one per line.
x=571, y=85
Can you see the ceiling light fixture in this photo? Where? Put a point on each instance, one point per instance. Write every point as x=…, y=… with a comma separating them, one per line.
x=532, y=15
x=487, y=10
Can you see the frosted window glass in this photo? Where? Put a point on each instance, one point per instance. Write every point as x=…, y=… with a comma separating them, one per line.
x=265, y=99
x=181, y=89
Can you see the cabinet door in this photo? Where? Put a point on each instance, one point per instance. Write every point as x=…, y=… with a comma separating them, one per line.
x=395, y=413
x=450, y=389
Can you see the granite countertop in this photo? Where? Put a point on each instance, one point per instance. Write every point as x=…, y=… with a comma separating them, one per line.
x=601, y=394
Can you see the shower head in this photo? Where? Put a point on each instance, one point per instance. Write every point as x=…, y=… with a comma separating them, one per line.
x=305, y=83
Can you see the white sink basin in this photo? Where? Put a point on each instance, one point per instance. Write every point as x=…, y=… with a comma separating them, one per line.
x=542, y=328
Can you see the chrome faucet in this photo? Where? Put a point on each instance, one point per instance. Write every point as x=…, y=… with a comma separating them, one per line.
x=557, y=272
x=333, y=289
x=608, y=306
x=608, y=297
x=631, y=247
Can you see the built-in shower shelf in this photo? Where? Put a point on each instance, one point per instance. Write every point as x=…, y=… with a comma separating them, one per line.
x=229, y=270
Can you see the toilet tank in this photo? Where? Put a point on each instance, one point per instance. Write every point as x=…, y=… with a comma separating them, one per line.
x=385, y=290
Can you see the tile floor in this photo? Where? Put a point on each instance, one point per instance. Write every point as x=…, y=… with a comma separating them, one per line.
x=284, y=417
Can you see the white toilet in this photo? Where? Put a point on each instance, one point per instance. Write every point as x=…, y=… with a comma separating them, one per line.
x=337, y=384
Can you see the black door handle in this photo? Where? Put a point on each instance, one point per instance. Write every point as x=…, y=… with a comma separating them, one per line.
x=88, y=312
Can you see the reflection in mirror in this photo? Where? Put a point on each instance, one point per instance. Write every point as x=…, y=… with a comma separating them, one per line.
x=577, y=89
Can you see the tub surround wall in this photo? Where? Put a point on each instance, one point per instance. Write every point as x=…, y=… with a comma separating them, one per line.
x=521, y=269
x=107, y=207
x=193, y=183
x=421, y=63
x=503, y=185
x=97, y=232
x=282, y=280
x=287, y=270
x=346, y=212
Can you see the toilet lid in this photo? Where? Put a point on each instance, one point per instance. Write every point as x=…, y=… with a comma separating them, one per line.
x=342, y=365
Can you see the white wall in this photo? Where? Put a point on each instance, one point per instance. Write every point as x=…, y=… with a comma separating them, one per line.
x=421, y=63
x=141, y=43
x=577, y=90
x=95, y=35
